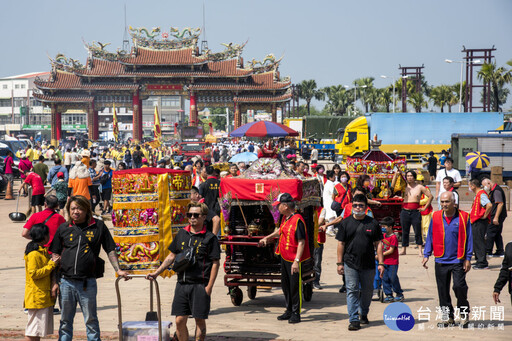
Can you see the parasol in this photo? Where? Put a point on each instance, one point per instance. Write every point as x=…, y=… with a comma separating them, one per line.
x=244, y=157
x=477, y=160
x=264, y=129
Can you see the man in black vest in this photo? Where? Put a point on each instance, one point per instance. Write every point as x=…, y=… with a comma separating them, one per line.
x=498, y=215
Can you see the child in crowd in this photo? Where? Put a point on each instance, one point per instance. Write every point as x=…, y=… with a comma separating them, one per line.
x=39, y=298
x=61, y=189
x=390, y=281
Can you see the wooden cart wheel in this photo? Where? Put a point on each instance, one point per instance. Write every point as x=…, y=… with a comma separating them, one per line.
x=308, y=291
x=237, y=296
x=251, y=292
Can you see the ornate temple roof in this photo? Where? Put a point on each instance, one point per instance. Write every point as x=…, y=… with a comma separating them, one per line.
x=74, y=99
x=173, y=58
x=146, y=56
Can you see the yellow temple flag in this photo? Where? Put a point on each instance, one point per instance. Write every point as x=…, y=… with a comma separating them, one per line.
x=115, y=125
x=156, y=129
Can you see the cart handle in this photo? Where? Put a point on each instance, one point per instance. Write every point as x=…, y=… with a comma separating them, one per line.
x=159, y=313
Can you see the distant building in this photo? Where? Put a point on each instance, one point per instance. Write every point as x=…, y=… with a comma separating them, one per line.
x=19, y=110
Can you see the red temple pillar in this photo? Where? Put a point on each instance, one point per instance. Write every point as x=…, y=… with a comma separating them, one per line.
x=238, y=116
x=137, y=118
x=193, y=110
x=92, y=122
x=58, y=128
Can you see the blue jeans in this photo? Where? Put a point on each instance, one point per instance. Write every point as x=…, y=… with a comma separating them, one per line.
x=377, y=281
x=359, y=291
x=72, y=292
x=390, y=281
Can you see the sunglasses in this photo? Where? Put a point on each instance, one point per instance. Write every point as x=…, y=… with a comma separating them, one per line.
x=358, y=205
x=193, y=215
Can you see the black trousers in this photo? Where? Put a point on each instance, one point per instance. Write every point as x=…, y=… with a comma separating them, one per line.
x=318, y=256
x=478, y=229
x=95, y=192
x=494, y=237
x=408, y=218
x=444, y=274
x=291, y=285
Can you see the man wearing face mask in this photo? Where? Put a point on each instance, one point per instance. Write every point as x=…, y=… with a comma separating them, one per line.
x=498, y=216
x=358, y=238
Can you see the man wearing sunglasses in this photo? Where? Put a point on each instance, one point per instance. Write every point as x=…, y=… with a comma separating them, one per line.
x=450, y=239
x=293, y=249
x=358, y=238
x=192, y=295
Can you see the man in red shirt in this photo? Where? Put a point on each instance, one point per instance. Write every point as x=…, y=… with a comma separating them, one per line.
x=48, y=216
x=8, y=161
x=37, y=201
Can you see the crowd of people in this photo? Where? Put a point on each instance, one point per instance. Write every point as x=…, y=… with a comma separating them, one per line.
x=71, y=229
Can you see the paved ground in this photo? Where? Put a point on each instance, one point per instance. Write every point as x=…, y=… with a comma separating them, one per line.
x=325, y=317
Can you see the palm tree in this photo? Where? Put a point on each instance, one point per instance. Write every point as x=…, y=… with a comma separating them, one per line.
x=497, y=77
x=385, y=97
x=441, y=95
x=364, y=86
x=308, y=91
x=417, y=100
x=338, y=99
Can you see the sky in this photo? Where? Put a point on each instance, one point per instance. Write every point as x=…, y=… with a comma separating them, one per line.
x=333, y=42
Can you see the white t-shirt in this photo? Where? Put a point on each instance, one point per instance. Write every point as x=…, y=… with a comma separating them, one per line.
x=443, y=173
x=327, y=200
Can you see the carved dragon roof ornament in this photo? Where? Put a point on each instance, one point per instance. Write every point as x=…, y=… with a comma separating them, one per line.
x=61, y=62
x=231, y=51
x=97, y=50
x=187, y=37
x=269, y=63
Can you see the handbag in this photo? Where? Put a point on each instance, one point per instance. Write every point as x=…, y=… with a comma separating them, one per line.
x=184, y=259
x=336, y=206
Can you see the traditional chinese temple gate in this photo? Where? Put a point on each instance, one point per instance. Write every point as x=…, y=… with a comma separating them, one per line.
x=161, y=64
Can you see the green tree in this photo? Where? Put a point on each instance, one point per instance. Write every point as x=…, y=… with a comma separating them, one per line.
x=365, y=92
x=219, y=122
x=385, y=97
x=497, y=77
x=442, y=95
x=418, y=101
x=338, y=99
x=308, y=90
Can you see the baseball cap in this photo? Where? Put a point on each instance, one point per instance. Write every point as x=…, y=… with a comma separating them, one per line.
x=283, y=198
x=60, y=175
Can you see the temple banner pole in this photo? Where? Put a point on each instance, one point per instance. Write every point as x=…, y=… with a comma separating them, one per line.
x=136, y=119
x=238, y=116
x=193, y=110
x=53, y=139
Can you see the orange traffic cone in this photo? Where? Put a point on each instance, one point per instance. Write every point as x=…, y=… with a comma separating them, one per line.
x=8, y=191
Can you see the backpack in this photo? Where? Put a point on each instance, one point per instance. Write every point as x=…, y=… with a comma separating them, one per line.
x=105, y=177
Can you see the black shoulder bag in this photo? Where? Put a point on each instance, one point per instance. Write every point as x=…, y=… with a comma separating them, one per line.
x=184, y=259
x=99, y=263
x=336, y=206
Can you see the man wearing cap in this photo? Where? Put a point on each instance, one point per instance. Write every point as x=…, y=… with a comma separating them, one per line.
x=294, y=249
